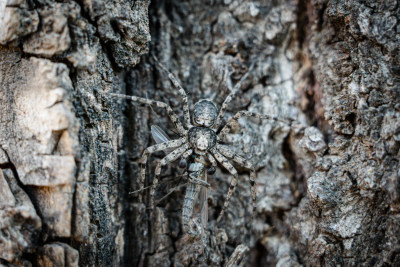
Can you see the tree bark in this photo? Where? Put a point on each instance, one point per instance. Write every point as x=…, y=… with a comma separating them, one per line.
x=328, y=188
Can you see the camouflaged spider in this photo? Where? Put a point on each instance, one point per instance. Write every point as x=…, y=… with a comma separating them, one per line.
x=200, y=144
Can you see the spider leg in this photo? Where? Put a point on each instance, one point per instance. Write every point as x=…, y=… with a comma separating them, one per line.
x=169, y=158
x=187, y=154
x=229, y=98
x=227, y=165
x=182, y=92
x=253, y=191
x=245, y=113
x=174, y=118
x=212, y=160
x=152, y=149
x=225, y=151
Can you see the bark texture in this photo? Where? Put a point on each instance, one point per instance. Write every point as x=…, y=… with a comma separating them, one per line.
x=328, y=189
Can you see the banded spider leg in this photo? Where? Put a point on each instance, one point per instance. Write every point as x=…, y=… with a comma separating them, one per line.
x=222, y=153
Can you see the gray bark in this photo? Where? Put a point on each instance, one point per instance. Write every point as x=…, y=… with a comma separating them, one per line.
x=328, y=189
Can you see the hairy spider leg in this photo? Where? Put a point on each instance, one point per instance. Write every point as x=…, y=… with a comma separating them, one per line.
x=182, y=92
x=229, y=98
x=253, y=192
x=174, y=118
x=187, y=154
x=167, y=159
x=152, y=149
x=228, y=83
x=212, y=160
x=227, y=165
x=245, y=113
x=225, y=151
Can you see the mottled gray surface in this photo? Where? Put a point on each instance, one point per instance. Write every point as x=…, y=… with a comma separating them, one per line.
x=328, y=188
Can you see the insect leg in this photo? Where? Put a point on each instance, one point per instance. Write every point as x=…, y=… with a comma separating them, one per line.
x=169, y=193
x=169, y=158
x=181, y=91
x=163, y=182
x=174, y=118
x=152, y=149
x=227, y=165
x=225, y=151
x=199, y=182
x=245, y=113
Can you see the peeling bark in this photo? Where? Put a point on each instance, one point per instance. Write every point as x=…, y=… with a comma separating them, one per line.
x=328, y=188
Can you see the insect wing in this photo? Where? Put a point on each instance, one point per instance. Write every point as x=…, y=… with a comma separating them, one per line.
x=204, y=203
x=160, y=137
x=158, y=134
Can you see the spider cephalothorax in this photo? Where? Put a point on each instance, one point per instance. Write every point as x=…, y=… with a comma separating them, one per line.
x=202, y=139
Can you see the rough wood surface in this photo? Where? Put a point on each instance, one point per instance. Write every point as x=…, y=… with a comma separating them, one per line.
x=328, y=188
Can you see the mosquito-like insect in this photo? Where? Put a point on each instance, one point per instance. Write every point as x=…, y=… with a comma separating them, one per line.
x=201, y=144
x=196, y=187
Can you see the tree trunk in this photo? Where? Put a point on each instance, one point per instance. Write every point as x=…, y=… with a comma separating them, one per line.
x=328, y=188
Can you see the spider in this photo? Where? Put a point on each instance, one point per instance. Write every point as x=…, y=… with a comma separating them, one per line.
x=199, y=142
